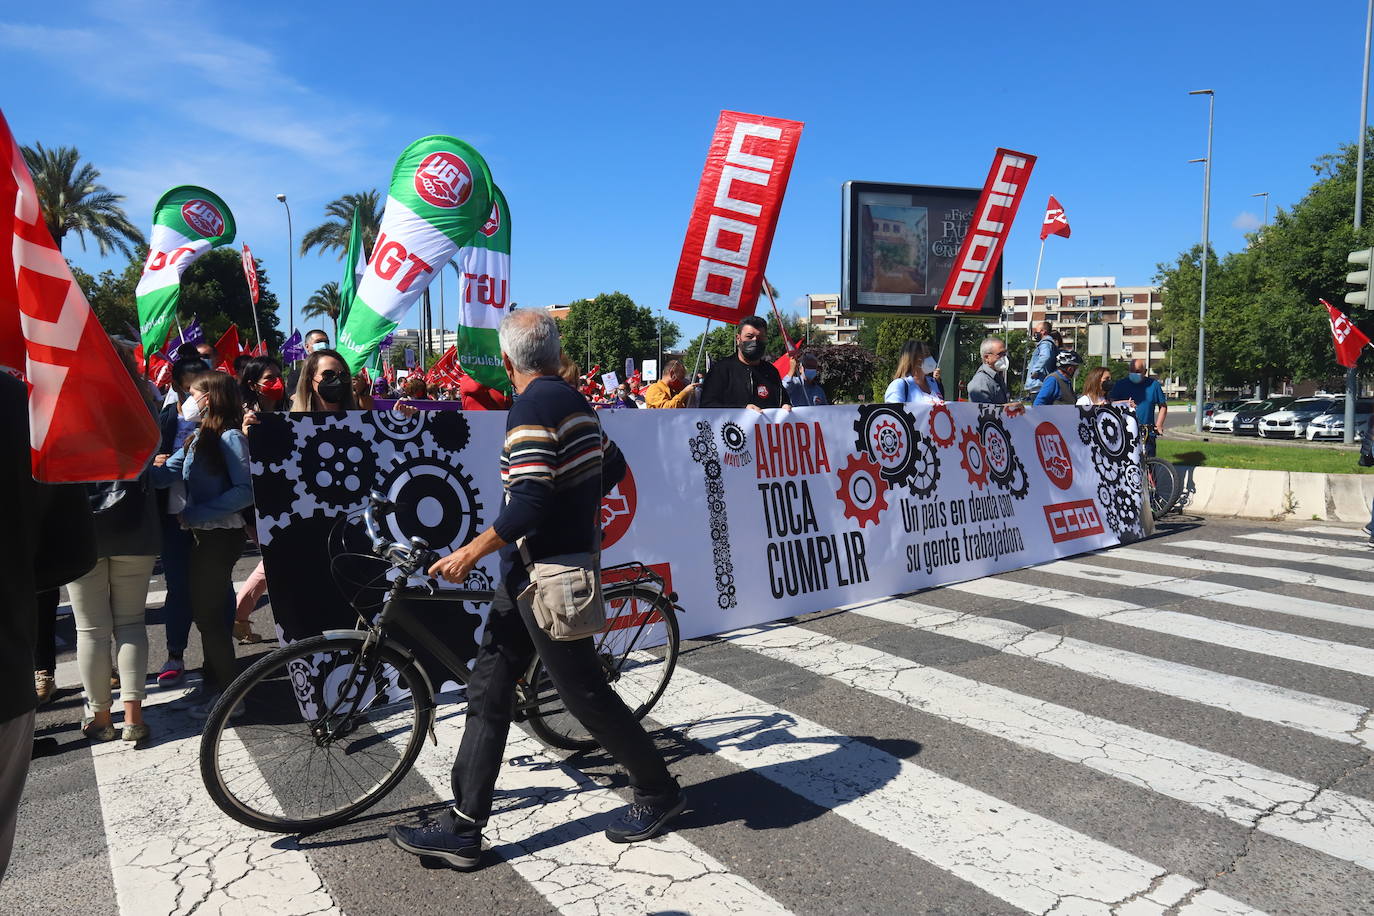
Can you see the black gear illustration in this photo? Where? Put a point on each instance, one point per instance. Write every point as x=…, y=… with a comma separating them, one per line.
x=1113, y=522
x=888, y=435
x=478, y=580
x=997, y=448
x=1126, y=507
x=712, y=469
x=701, y=450
x=272, y=440
x=1019, y=485
x=1104, y=495
x=338, y=466
x=1085, y=424
x=273, y=493
x=396, y=426
x=732, y=435
x=448, y=429
x=925, y=471
x=433, y=501
x=1111, y=433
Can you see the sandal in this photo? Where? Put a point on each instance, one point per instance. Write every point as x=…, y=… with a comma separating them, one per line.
x=97, y=732
x=243, y=633
x=135, y=732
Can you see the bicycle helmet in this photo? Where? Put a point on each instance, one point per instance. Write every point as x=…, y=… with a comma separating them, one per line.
x=1068, y=358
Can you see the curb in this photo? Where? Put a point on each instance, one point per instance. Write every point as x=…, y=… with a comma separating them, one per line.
x=1303, y=495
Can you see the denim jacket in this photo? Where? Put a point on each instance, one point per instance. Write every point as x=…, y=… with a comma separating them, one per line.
x=211, y=496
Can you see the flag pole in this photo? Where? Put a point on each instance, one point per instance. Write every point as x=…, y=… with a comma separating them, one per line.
x=696, y=367
x=1030, y=308
x=787, y=342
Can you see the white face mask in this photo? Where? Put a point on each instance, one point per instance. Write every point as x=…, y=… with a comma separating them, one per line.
x=190, y=411
x=929, y=365
x=1002, y=363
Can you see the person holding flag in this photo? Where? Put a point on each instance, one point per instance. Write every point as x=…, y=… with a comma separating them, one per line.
x=1041, y=363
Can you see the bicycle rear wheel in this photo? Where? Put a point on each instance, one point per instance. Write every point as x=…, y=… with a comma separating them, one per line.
x=315, y=733
x=1162, y=480
x=638, y=618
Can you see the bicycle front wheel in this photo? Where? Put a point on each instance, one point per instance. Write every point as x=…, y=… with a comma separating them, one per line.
x=315, y=733
x=1163, y=483
x=638, y=652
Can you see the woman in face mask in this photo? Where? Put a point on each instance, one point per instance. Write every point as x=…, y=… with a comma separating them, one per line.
x=325, y=384
x=802, y=382
x=261, y=383
x=913, y=382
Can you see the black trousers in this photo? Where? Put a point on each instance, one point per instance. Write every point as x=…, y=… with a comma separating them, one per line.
x=214, y=551
x=510, y=642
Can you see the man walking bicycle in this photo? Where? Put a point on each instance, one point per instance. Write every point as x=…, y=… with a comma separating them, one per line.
x=556, y=465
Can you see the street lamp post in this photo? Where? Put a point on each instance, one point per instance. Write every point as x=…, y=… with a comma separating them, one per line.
x=1206, y=244
x=1265, y=194
x=1352, y=377
x=290, y=270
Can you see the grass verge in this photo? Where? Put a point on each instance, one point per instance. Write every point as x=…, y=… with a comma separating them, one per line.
x=1260, y=457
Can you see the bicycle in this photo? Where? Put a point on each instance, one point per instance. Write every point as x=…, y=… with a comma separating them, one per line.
x=1161, y=480
x=318, y=731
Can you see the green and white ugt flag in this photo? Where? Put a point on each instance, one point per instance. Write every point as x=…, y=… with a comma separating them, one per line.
x=484, y=295
x=440, y=194
x=353, y=268
x=187, y=222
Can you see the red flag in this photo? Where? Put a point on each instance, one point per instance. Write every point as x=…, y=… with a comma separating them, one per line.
x=250, y=271
x=1056, y=223
x=87, y=421
x=260, y=349
x=981, y=251
x=443, y=372
x=228, y=348
x=1349, y=339
x=733, y=218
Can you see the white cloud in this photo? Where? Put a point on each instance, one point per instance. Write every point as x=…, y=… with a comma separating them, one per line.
x=1247, y=222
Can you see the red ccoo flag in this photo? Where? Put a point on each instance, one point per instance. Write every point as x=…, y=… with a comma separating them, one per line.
x=87, y=421
x=1056, y=223
x=1349, y=339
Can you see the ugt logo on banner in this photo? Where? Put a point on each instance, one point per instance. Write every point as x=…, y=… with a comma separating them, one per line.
x=720, y=272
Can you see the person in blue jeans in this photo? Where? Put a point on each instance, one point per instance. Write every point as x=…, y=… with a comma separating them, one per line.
x=1151, y=407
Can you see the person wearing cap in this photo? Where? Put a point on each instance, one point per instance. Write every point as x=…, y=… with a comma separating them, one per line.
x=1058, y=385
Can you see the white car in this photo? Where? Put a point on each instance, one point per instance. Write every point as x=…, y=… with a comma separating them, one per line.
x=1292, y=422
x=1332, y=425
x=1224, y=421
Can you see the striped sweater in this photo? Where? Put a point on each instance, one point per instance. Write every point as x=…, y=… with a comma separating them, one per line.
x=556, y=465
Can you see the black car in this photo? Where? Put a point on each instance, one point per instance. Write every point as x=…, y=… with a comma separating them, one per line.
x=1247, y=423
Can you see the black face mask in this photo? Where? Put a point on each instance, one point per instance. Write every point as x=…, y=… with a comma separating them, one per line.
x=332, y=390
x=751, y=349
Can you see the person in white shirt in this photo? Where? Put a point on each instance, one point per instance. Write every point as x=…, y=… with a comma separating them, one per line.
x=914, y=381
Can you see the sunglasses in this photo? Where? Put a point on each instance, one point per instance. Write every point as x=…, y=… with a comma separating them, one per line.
x=329, y=375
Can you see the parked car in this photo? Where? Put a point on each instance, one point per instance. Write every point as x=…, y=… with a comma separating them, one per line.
x=1223, y=420
x=1248, y=419
x=1211, y=409
x=1291, y=422
x=1332, y=425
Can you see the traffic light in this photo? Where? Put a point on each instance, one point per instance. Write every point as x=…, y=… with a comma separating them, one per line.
x=1359, y=277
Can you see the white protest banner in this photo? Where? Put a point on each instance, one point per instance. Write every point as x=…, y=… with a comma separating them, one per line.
x=750, y=517
x=650, y=370
x=610, y=381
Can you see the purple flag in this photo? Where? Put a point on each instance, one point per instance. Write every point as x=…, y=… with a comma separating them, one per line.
x=410, y=358
x=291, y=351
x=192, y=333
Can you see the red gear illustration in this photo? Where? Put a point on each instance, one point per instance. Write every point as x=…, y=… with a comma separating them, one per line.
x=940, y=416
x=887, y=438
x=859, y=470
x=971, y=444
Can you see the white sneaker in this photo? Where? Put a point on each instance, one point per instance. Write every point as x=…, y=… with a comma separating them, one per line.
x=202, y=709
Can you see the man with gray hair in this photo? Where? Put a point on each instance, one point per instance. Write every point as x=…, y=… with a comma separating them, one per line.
x=556, y=465
x=989, y=383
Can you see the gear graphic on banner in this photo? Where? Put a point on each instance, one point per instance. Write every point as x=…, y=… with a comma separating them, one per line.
x=925, y=469
x=449, y=430
x=862, y=489
x=433, y=501
x=396, y=426
x=337, y=466
x=887, y=434
x=973, y=460
x=941, y=425
x=703, y=449
x=732, y=435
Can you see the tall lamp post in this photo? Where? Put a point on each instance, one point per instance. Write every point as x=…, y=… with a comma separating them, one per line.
x=290, y=270
x=1352, y=376
x=1206, y=244
x=1265, y=195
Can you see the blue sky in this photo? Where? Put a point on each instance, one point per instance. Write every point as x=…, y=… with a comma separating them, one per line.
x=595, y=117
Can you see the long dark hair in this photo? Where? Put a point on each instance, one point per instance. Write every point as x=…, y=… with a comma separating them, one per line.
x=223, y=411
x=304, y=401
x=252, y=373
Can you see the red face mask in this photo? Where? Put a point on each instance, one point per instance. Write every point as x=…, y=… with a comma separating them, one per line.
x=272, y=389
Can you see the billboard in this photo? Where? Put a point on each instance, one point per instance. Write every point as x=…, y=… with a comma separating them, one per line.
x=899, y=243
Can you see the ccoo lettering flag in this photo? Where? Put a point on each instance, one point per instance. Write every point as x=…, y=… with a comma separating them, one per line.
x=87, y=421
x=981, y=252
x=187, y=222
x=1055, y=223
x=1349, y=340
x=440, y=194
x=483, y=295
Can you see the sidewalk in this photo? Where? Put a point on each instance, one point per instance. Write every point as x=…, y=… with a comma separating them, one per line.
x=1236, y=493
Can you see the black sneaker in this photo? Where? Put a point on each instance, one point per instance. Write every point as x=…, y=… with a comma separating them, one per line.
x=640, y=822
x=457, y=842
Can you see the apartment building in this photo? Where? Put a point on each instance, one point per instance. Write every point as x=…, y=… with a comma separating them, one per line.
x=823, y=311
x=1077, y=302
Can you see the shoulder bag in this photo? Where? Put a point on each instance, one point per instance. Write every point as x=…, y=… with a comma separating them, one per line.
x=565, y=593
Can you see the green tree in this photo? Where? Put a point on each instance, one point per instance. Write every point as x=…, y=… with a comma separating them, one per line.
x=846, y=371
x=324, y=303
x=613, y=327
x=720, y=344
x=73, y=200
x=111, y=295
x=215, y=290
x=890, y=334
x=333, y=232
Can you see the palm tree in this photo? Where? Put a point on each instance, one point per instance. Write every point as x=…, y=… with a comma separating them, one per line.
x=72, y=200
x=324, y=303
x=333, y=232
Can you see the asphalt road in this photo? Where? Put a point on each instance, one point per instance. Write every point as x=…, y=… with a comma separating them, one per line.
x=1183, y=725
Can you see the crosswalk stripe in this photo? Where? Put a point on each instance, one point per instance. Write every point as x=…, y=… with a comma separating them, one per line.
x=1220, y=592
x=1027, y=860
x=1277, y=573
x=1326, y=543
x=1360, y=564
x=1334, y=823
x=1306, y=649
x=172, y=851
x=1338, y=532
x=1321, y=716
x=579, y=870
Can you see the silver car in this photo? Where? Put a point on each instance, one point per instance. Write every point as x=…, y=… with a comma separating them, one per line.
x=1291, y=423
x=1332, y=425
x=1224, y=421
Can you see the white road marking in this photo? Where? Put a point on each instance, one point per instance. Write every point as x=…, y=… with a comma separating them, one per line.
x=1325, y=543
x=1305, y=649
x=1338, y=532
x=1219, y=592
x=1330, y=822
x=575, y=867
x=1278, y=573
x=1022, y=858
x=1360, y=564
x=172, y=851
x=1327, y=718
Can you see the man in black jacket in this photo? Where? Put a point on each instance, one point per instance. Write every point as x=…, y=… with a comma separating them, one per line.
x=747, y=380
